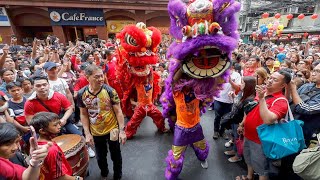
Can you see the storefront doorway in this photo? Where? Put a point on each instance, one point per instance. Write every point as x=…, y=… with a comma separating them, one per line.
x=74, y=33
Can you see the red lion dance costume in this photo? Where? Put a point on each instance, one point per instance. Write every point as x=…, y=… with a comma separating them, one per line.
x=139, y=83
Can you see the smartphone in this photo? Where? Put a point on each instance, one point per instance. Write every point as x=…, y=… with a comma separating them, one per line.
x=34, y=135
x=257, y=80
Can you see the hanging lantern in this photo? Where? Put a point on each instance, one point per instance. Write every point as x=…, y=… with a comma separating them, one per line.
x=305, y=35
x=314, y=16
x=265, y=15
x=301, y=16
x=289, y=16
x=277, y=16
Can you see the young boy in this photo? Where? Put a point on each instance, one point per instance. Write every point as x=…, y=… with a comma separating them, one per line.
x=16, y=104
x=9, y=144
x=55, y=165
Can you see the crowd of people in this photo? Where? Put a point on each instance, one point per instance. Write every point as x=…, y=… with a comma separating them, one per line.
x=51, y=86
x=264, y=79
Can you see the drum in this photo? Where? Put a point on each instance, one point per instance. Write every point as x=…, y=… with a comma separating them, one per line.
x=76, y=152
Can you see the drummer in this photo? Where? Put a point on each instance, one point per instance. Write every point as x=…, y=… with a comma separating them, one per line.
x=55, y=165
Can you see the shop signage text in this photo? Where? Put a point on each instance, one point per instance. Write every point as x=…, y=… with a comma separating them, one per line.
x=76, y=17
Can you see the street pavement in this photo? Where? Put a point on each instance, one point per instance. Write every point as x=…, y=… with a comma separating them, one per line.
x=144, y=156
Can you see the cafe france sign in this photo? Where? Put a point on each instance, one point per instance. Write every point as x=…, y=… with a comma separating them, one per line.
x=76, y=17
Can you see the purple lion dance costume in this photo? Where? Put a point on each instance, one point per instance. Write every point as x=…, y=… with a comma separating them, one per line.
x=206, y=34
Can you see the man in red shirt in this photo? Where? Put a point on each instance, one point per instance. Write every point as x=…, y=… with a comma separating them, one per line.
x=272, y=106
x=55, y=165
x=9, y=144
x=82, y=80
x=44, y=99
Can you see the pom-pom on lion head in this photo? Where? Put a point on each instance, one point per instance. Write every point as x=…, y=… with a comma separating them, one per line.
x=138, y=45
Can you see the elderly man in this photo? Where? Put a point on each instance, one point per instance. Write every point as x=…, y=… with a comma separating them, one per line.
x=102, y=120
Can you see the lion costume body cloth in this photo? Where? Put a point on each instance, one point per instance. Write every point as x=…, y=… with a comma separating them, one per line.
x=205, y=33
x=139, y=83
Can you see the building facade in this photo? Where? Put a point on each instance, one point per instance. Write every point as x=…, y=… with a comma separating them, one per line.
x=82, y=19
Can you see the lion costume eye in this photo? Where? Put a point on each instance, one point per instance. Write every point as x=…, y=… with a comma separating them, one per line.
x=130, y=40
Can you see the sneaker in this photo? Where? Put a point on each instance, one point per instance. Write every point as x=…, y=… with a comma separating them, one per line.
x=210, y=109
x=103, y=178
x=91, y=152
x=204, y=164
x=228, y=144
x=216, y=135
x=230, y=153
x=235, y=159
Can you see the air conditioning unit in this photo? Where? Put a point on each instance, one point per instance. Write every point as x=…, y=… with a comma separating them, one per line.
x=293, y=9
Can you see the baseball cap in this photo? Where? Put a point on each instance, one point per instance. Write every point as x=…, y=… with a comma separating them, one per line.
x=84, y=65
x=318, y=54
x=49, y=65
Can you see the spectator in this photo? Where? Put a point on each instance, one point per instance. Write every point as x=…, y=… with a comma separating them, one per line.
x=248, y=84
x=223, y=103
x=285, y=64
x=16, y=105
x=27, y=86
x=268, y=111
x=55, y=165
x=57, y=84
x=270, y=64
x=7, y=76
x=307, y=100
x=46, y=100
x=252, y=64
x=99, y=119
x=9, y=144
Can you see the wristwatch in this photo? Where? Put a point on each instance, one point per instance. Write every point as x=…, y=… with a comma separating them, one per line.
x=77, y=178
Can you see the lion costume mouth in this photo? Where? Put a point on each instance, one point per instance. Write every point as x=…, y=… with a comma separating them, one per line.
x=140, y=70
x=210, y=63
x=142, y=54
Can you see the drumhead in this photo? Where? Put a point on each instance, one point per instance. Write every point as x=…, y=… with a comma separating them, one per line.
x=69, y=142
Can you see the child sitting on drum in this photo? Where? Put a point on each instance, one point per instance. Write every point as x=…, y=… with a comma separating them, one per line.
x=55, y=165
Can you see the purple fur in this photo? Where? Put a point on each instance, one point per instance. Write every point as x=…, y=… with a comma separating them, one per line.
x=177, y=13
x=173, y=173
x=178, y=51
x=201, y=154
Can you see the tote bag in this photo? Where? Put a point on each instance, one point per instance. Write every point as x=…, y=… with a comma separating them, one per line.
x=307, y=164
x=282, y=139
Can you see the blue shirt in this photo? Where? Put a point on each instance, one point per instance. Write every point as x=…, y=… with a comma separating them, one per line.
x=4, y=89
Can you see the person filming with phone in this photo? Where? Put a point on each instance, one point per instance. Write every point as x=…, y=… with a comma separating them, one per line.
x=102, y=120
x=271, y=107
x=9, y=144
